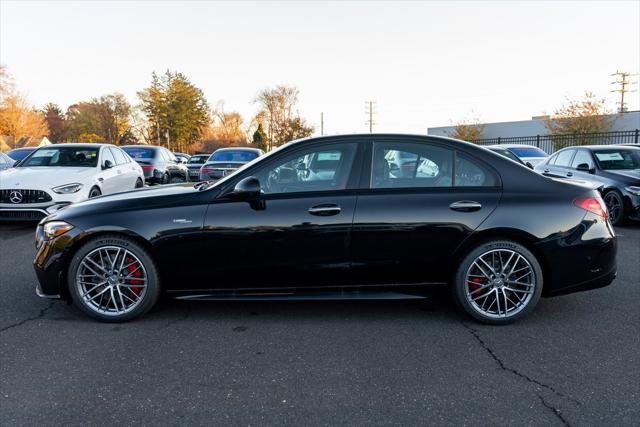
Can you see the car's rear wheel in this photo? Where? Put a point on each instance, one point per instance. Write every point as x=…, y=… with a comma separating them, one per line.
x=165, y=178
x=139, y=183
x=498, y=282
x=95, y=192
x=615, y=206
x=113, y=279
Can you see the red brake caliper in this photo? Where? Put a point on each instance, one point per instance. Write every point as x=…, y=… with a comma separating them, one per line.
x=135, y=273
x=473, y=286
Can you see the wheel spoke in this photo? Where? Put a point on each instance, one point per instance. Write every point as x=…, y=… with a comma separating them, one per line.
x=102, y=283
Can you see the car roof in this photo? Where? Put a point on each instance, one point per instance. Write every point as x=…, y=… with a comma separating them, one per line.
x=153, y=147
x=238, y=149
x=77, y=144
x=23, y=149
x=601, y=147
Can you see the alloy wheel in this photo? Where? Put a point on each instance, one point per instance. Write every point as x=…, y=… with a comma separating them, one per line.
x=614, y=206
x=500, y=283
x=111, y=280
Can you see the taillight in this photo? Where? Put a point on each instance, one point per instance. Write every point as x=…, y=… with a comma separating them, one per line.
x=147, y=167
x=206, y=170
x=592, y=204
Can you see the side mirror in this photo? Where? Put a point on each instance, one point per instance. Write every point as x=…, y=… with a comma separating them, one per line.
x=584, y=167
x=107, y=164
x=246, y=189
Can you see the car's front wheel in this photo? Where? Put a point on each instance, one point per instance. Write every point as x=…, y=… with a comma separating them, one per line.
x=498, y=282
x=113, y=279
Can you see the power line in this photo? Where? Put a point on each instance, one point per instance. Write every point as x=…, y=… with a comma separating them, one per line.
x=370, y=111
x=622, y=79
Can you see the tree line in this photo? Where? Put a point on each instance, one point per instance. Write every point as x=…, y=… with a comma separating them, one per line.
x=172, y=112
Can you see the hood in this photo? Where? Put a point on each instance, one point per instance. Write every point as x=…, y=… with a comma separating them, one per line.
x=143, y=198
x=632, y=176
x=533, y=160
x=194, y=165
x=43, y=178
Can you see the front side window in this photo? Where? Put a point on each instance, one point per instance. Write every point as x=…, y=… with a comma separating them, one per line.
x=582, y=157
x=119, y=156
x=406, y=165
x=108, y=155
x=618, y=159
x=86, y=157
x=321, y=168
x=564, y=158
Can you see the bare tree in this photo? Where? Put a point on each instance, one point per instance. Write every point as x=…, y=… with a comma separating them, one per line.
x=469, y=130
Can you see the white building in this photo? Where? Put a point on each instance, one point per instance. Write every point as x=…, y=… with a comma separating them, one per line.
x=625, y=121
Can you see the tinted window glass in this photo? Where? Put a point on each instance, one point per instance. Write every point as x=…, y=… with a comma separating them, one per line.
x=582, y=156
x=233, y=156
x=472, y=173
x=321, y=168
x=64, y=156
x=528, y=152
x=120, y=158
x=506, y=153
x=19, y=154
x=618, y=159
x=198, y=159
x=107, y=155
x=564, y=158
x=405, y=165
x=140, y=152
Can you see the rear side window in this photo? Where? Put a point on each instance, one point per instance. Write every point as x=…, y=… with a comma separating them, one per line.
x=564, y=158
x=472, y=173
x=411, y=165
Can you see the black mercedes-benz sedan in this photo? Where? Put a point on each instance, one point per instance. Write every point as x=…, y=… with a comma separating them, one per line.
x=328, y=218
x=613, y=168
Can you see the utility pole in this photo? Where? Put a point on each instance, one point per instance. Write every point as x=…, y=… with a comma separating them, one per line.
x=321, y=123
x=370, y=111
x=622, y=82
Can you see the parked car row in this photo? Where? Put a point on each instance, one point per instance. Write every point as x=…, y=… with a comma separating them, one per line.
x=55, y=176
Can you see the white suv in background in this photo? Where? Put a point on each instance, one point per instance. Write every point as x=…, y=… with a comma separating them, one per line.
x=58, y=175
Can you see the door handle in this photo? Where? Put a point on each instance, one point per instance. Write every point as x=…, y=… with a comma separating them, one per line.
x=465, y=206
x=546, y=171
x=325, y=210
x=569, y=173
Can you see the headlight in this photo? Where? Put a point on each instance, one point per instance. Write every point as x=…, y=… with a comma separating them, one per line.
x=633, y=190
x=67, y=189
x=54, y=229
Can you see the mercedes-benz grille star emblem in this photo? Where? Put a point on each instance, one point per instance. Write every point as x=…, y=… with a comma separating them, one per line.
x=15, y=197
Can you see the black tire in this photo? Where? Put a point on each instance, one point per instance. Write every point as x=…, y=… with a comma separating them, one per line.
x=146, y=301
x=165, y=178
x=95, y=192
x=615, y=206
x=481, y=289
x=139, y=183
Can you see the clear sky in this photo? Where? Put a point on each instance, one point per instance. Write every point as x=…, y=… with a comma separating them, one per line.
x=425, y=63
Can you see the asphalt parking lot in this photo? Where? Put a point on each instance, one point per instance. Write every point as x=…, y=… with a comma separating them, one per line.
x=574, y=361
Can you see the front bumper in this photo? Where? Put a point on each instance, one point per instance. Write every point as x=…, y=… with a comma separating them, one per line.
x=28, y=212
x=51, y=261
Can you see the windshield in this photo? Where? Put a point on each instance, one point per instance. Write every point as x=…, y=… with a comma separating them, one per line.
x=79, y=157
x=140, y=152
x=19, y=154
x=198, y=159
x=527, y=152
x=618, y=159
x=233, y=156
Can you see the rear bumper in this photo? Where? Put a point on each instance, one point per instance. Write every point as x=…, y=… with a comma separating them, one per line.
x=581, y=259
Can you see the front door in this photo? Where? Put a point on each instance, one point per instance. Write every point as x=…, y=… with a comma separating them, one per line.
x=411, y=219
x=297, y=234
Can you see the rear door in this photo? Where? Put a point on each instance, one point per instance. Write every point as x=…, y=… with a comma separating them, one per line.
x=410, y=219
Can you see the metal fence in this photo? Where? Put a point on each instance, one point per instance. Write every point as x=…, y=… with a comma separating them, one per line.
x=552, y=143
